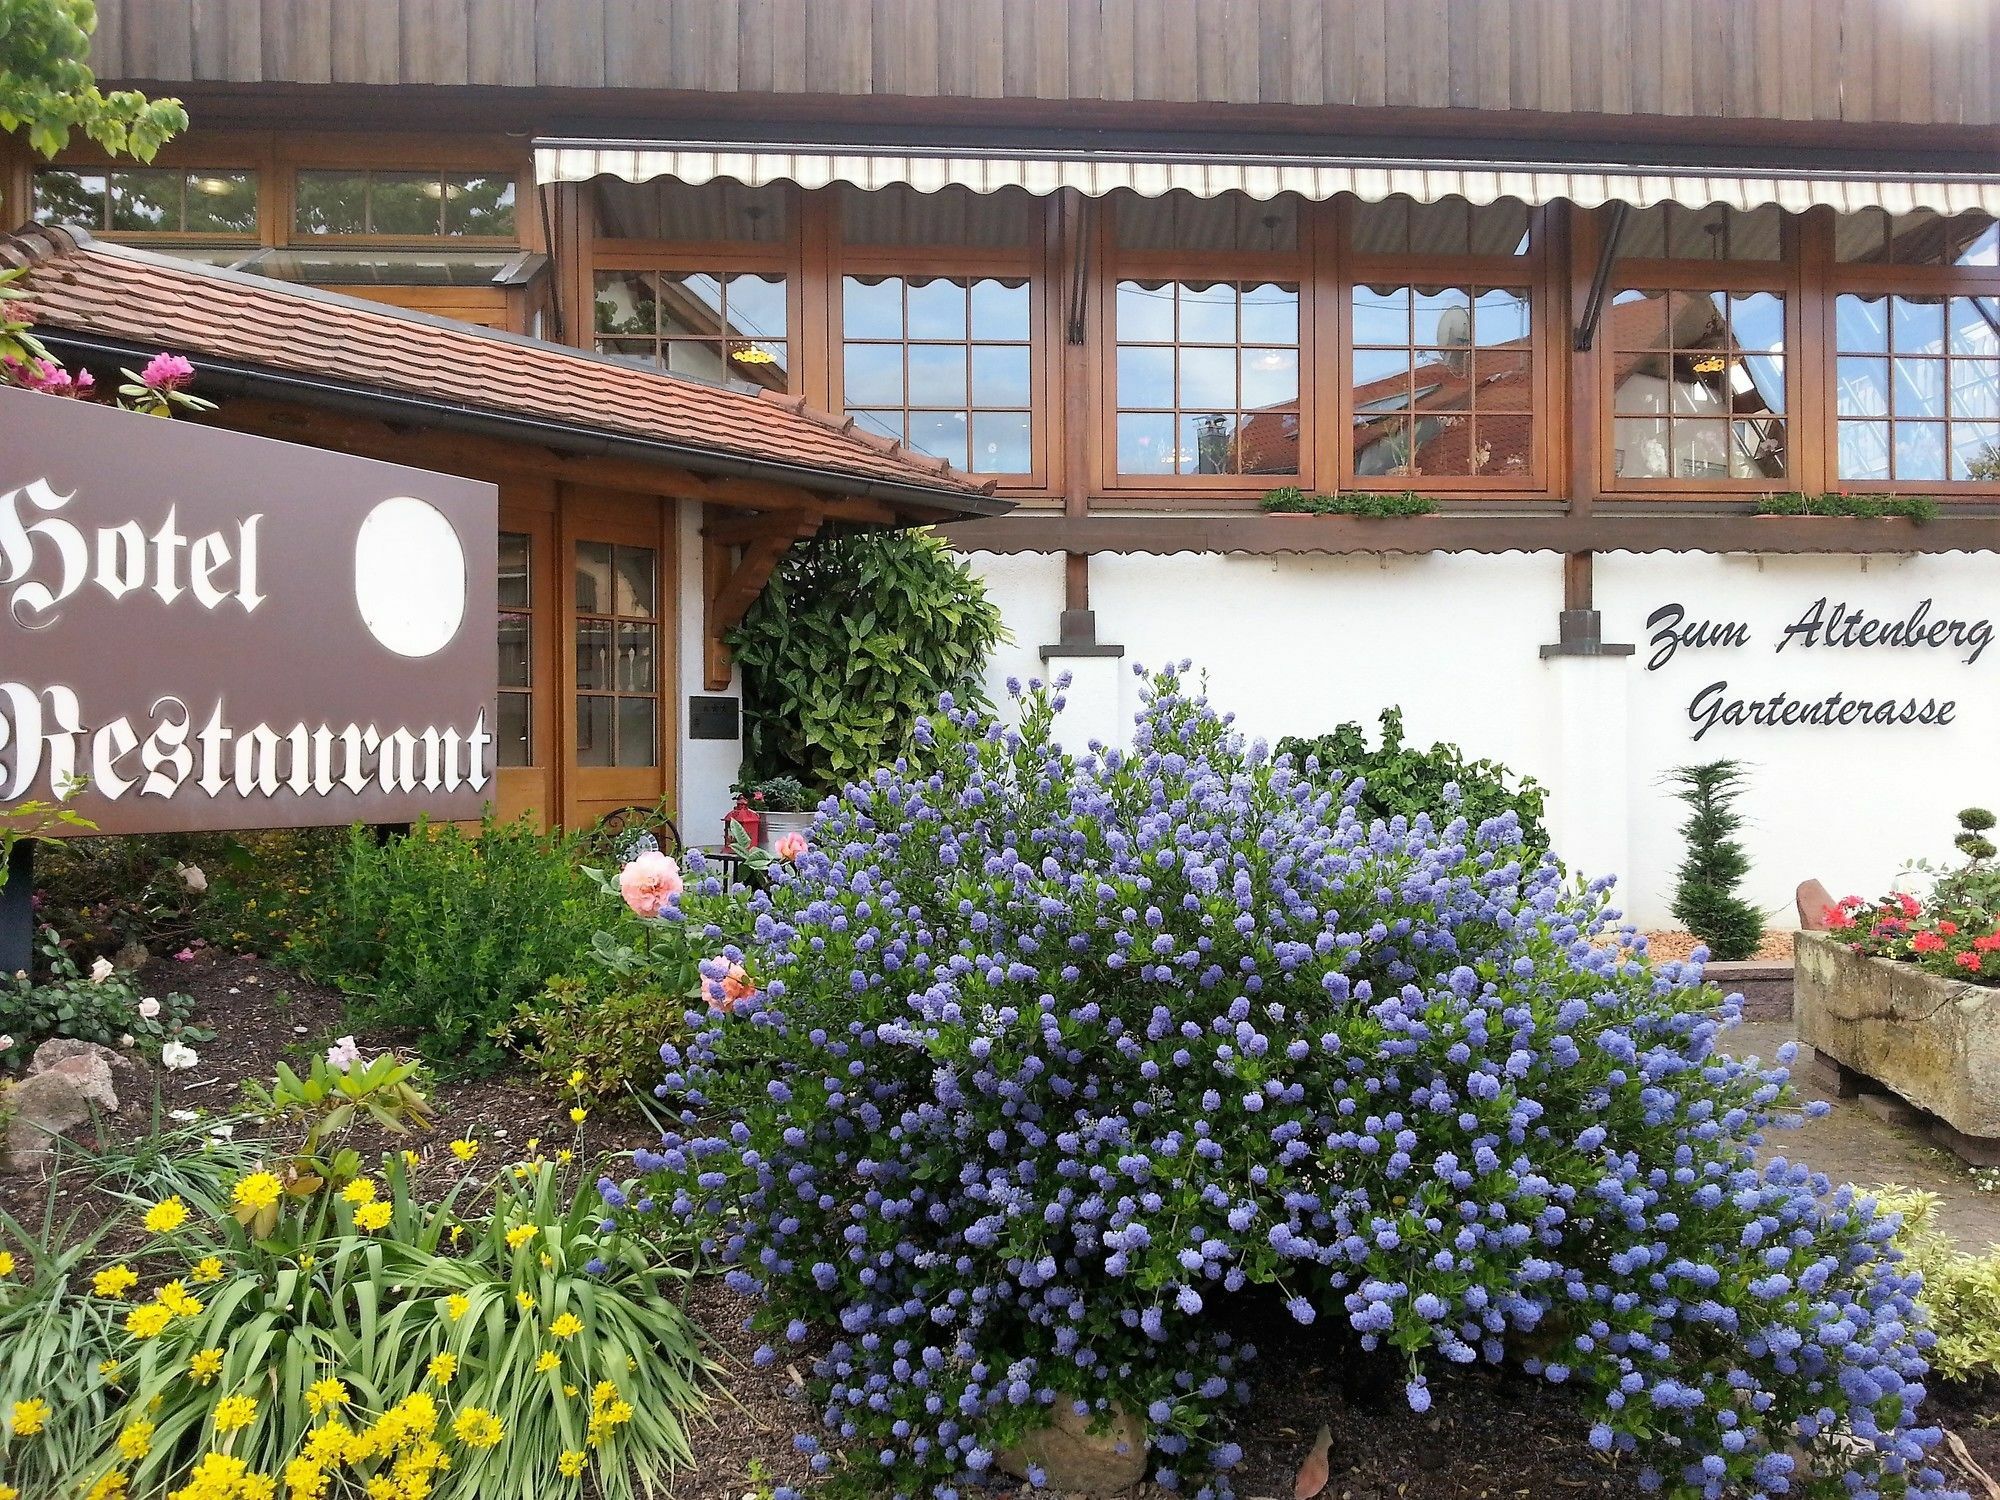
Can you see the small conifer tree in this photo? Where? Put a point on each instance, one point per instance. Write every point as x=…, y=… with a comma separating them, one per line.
x=1705, y=897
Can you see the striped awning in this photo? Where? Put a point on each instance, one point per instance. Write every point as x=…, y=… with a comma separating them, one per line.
x=1152, y=174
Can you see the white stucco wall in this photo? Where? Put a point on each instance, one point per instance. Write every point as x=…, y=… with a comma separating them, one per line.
x=708, y=767
x=1297, y=644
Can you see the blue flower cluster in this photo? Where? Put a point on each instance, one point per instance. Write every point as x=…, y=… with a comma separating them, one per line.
x=1052, y=1056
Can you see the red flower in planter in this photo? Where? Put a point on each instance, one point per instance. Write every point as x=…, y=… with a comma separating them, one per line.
x=1910, y=904
x=1968, y=961
x=1987, y=943
x=1836, y=917
x=1948, y=928
x=1928, y=942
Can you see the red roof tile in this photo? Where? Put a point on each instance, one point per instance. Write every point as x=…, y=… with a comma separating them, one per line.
x=150, y=301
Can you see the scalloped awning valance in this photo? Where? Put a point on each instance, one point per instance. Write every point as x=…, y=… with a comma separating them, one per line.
x=1151, y=174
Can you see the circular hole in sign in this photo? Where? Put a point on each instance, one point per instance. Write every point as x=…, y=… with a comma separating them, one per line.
x=409, y=576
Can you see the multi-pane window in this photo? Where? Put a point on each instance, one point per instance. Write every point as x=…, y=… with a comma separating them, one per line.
x=514, y=734
x=617, y=655
x=431, y=204
x=150, y=200
x=943, y=364
x=1207, y=377
x=1697, y=384
x=725, y=328
x=1917, y=387
x=1443, y=382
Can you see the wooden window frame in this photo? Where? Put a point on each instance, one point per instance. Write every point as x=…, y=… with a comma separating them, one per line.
x=617, y=261
x=1540, y=271
x=533, y=615
x=1834, y=279
x=293, y=237
x=1804, y=432
x=247, y=240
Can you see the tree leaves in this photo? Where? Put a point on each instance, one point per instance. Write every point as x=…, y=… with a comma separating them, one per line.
x=48, y=90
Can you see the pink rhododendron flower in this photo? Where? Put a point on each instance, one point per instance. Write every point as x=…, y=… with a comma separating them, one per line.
x=649, y=883
x=185, y=956
x=343, y=1054
x=791, y=846
x=166, y=372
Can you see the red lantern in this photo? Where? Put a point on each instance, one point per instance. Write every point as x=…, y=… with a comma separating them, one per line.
x=746, y=817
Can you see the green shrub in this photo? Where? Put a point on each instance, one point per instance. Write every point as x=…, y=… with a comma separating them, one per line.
x=609, y=1034
x=102, y=893
x=1961, y=1292
x=103, y=1006
x=1705, y=898
x=1400, y=781
x=267, y=890
x=853, y=639
x=444, y=936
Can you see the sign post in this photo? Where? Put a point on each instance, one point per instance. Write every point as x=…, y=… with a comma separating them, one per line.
x=202, y=630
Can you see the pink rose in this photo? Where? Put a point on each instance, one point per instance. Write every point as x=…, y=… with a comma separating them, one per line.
x=791, y=846
x=732, y=989
x=649, y=883
x=166, y=372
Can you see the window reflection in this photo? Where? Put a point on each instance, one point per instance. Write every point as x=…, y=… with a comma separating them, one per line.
x=617, y=654
x=1207, y=378
x=1875, y=236
x=421, y=204
x=1917, y=387
x=727, y=329
x=1698, y=384
x=1443, y=382
x=1671, y=231
x=150, y=200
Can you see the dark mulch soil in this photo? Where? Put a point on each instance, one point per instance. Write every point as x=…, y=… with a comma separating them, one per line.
x=1490, y=1435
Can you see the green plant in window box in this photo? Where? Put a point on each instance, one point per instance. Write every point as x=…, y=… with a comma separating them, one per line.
x=1917, y=509
x=1291, y=500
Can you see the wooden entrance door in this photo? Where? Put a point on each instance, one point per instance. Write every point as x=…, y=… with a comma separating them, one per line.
x=618, y=625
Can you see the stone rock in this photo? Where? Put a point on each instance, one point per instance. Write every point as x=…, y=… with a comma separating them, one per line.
x=1933, y=1041
x=41, y=1108
x=1891, y=1110
x=1077, y=1461
x=132, y=956
x=128, y=1072
x=1813, y=899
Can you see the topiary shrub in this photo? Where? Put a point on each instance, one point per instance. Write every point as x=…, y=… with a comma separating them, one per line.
x=1705, y=898
x=854, y=638
x=1022, y=1078
x=1401, y=781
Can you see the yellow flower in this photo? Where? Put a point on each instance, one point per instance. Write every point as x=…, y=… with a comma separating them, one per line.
x=477, y=1427
x=136, y=1441
x=256, y=1487
x=166, y=1216
x=148, y=1321
x=109, y=1368
x=205, y=1366
x=175, y=1299
x=576, y=1078
x=208, y=1269
x=534, y=1144
x=577, y=1114
x=412, y=1160
x=235, y=1411
x=455, y=1306
x=307, y=1262
x=325, y=1392
x=568, y=1326
x=565, y=1156
x=464, y=1150
x=570, y=1391
x=442, y=1367
x=548, y=1261
x=372, y=1216
x=602, y=1393
x=569, y=1464
x=306, y=1479
x=110, y=1485
x=258, y=1191
x=28, y=1416
x=519, y=1235
x=6, y=1262
x=359, y=1191
x=8, y=1492
x=546, y=1361
x=525, y=1301
x=114, y=1281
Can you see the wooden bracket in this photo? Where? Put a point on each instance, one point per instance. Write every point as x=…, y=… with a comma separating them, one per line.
x=737, y=557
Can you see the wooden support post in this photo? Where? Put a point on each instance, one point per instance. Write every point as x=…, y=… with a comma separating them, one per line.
x=17, y=909
x=737, y=559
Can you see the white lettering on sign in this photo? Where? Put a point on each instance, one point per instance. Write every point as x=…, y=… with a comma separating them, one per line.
x=45, y=561
x=44, y=730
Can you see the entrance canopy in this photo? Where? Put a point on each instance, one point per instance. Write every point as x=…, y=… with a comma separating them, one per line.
x=1152, y=174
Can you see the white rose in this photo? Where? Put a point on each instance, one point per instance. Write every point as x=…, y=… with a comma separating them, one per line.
x=128, y=1041
x=149, y=1008
x=177, y=1057
x=6, y=1043
x=192, y=877
x=102, y=970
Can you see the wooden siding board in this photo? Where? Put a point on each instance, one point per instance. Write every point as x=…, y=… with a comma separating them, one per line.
x=642, y=46
x=159, y=39
x=1118, y=58
x=107, y=43
x=1017, y=51
x=436, y=34
x=298, y=41
x=569, y=44
x=500, y=43
x=755, y=60
x=367, y=42
x=1495, y=58
x=1052, y=63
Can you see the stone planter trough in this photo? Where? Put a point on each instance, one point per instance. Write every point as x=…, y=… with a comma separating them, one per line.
x=1935, y=1042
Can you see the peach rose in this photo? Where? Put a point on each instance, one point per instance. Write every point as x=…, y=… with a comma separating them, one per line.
x=732, y=990
x=649, y=883
x=790, y=847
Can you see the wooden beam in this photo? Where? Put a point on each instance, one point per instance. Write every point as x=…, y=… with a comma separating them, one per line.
x=737, y=559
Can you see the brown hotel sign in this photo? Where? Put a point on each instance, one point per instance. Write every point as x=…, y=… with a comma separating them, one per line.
x=204, y=630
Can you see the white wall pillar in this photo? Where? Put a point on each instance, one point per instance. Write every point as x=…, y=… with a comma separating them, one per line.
x=708, y=767
x=1590, y=803
x=1094, y=702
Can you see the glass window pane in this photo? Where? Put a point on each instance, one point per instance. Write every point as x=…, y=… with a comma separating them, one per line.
x=1382, y=315
x=1442, y=316
x=66, y=197
x=1501, y=315
x=1975, y=450
x=1861, y=237
x=1270, y=377
x=638, y=733
x=697, y=359
x=480, y=204
x=593, y=731
x=222, y=203
x=1757, y=319
x=593, y=578
x=874, y=375
x=331, y=202
x=1861, y=324
x=1000, y=375
x=1916, y=388
x=955, y=216
x=1182, y=221
x=1639, y=448
x=722, y=210
x=1920, y=451
x=1975, y=388
x=146, y=199
x=1002, y=442
x=593, y=655
x=1916, y=325
x=625, y=302
x=637, y=666
x=1145, y=443
x=1208, y=378
x=1145, y=376
x=1271, y=314
x=405, y=202
x=764, y=365
x=1000, y=310
x=1701, y=450
x=757, y=306
x=1864, y=450
x=514, y=661
x=937, y=373
x=1975, y=325
x=1208, y=443
x=1382, y=446
x=937, y=310
x=515, y=592
x=1381, y=380
x=514, y=738
x=635, y=582
x=691, y=304
x=1145, y=312
x=1862, y=388
x=1208, y=313
x=888, y=424
x=641, y=352
x=1267, y=442
x=872, y=309
x=941, y=434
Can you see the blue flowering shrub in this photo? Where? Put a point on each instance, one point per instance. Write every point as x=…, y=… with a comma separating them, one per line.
x=1035, y=1065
